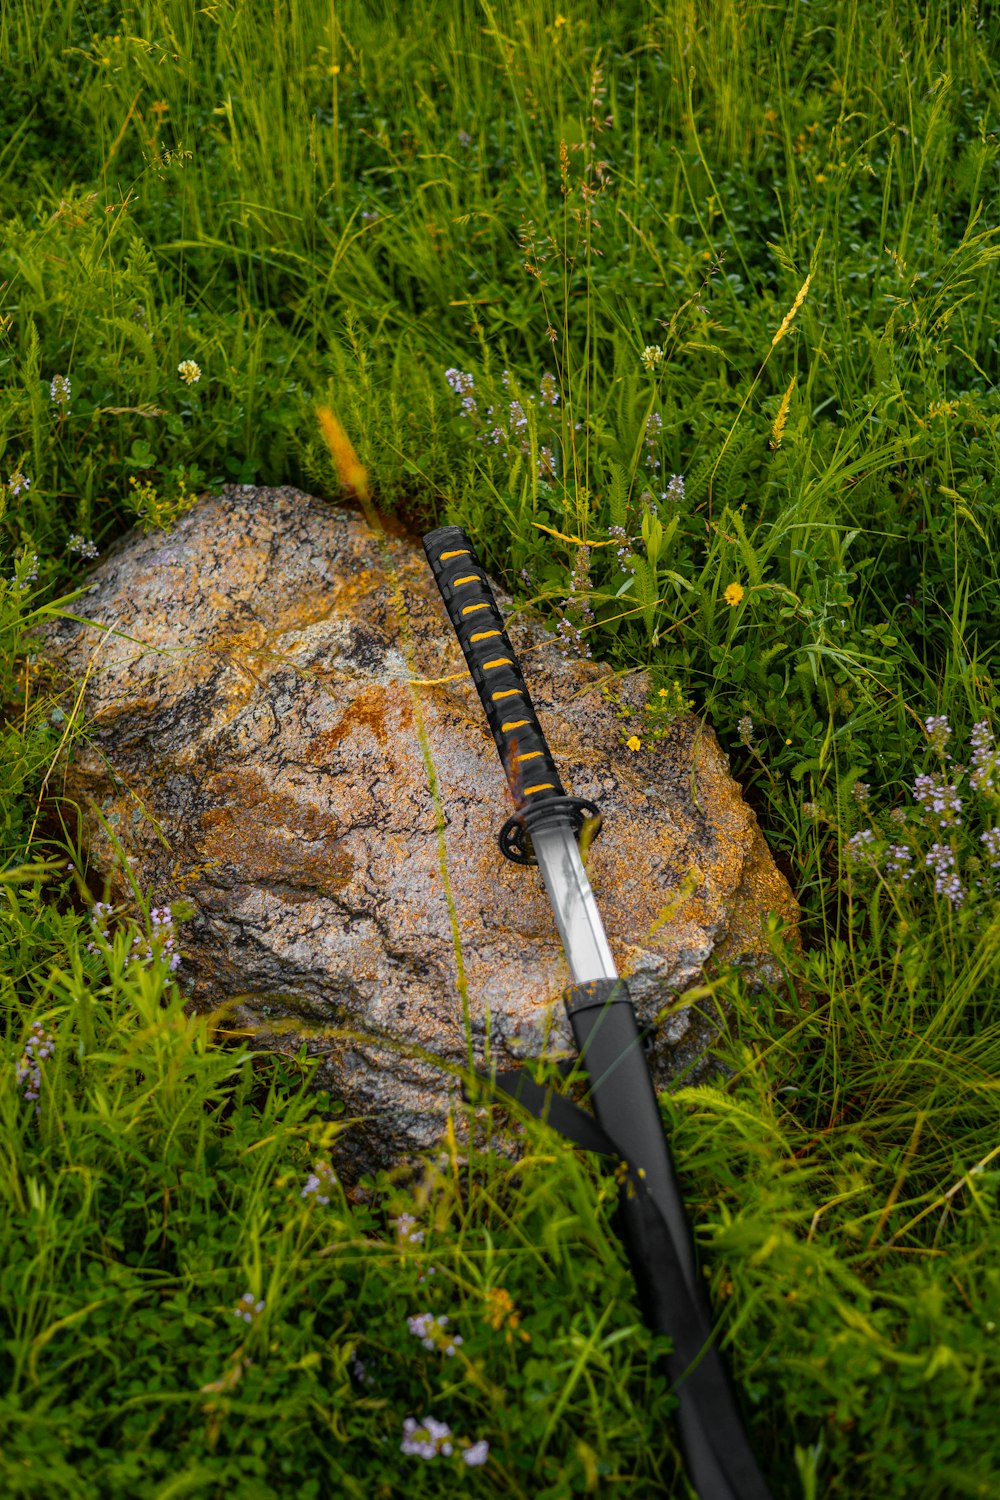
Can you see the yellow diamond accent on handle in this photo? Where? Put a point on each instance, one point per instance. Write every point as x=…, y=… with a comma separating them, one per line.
x=484, y=635
x=463, y=552
x=471, y=578
x=530, y=755
x=501, y=661
x=513, y=724
x=546, y=786
x=507, y=693
x=470, y=609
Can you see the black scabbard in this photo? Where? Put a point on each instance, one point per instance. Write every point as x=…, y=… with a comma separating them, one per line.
x=659, y=1244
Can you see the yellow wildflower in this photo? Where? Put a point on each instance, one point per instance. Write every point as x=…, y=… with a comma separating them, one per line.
x=501, y=1311
x=634, y=742
x=734, y=593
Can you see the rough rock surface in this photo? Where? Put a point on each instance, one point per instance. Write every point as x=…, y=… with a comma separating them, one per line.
x=254, y=746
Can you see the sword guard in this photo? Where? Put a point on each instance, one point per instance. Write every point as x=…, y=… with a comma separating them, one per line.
x=514, y=837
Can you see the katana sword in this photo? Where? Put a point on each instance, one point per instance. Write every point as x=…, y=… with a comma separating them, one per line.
x=544, y=829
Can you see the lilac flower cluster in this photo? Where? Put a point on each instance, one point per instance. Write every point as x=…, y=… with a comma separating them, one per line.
x=623, y=549
x=18, y=483
x=508, y=429
x=161, y=945
x=432, y=1332
x=247, y=1309
x=60, y=391
x=941, y=860
x=570, y=634
x=940, y=804
x=463, y=385
x=320, y=1183
x=985, y=763
x=82, y=545
x=939, y=798
x=674, y=491
x=406, y=1231
x=938, y=732
x=39, y=1047
x=99, y=914
x=428, y=1438
x=991, y=840
x=859, y=848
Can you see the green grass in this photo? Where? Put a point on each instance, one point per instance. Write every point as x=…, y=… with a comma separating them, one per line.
x=338, y=204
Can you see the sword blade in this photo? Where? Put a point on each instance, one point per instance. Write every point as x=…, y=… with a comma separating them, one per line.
x=579, y=922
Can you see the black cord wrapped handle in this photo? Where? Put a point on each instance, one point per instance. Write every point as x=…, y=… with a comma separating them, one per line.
x=531, y=772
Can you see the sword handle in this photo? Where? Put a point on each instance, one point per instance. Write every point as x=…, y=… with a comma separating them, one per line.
x=531, y=772
x=472, y=609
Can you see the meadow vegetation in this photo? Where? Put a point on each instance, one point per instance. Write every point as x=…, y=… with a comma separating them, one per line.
x=689, y=313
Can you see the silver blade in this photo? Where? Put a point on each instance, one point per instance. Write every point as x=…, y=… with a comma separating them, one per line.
x=577, y=918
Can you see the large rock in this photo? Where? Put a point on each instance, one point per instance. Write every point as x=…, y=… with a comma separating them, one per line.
x=255, y=745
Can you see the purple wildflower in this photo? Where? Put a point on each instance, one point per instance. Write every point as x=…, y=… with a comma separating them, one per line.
x=426, y=1439
x=463, y=385
x=247, y=1309
x=859, y=847
x=320, y=1182
x=939, y=798
x=941, y=860
x=624, y=547
x=405, y=1229
x=432, y=1333
x=938, y=731
x=985, y=768
x=991, y=839
x=39, y=1047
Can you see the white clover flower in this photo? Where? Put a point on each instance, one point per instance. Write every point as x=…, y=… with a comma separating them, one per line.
x=652, y=357
x=188, y=371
